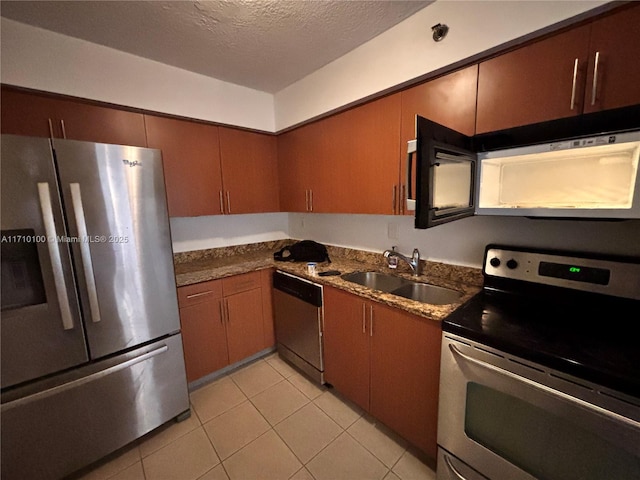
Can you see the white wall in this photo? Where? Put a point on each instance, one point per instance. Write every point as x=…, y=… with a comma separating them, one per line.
x=37, y=58
x=199, y=233
x=407, y=51
x=462, y=242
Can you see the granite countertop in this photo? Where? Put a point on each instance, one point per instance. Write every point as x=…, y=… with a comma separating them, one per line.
x=204, y=265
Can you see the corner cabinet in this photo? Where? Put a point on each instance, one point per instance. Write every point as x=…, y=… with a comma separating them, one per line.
x=224, y=321
x=25, y=113
x=386, y=361
x=587, y=68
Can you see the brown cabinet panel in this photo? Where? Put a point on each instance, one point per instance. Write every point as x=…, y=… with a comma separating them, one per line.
x=245, y=332
x=191, y=159
x=449, y=100
x=615, y=39
x=346, y=345
x=266, y=278
x=405, y=372
x=533, y=83
x=81, y=121
x=41, y=116
x=363, y=145
x=199, y=292
x=249, y=170
x=295, y=167
x=240, y=283
x=28, y=114
x=204, y=339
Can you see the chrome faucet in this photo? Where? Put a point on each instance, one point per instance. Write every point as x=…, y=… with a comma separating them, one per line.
x=414, y=261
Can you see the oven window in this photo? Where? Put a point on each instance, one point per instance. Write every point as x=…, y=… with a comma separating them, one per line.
x=22, y=283
x=545, y=445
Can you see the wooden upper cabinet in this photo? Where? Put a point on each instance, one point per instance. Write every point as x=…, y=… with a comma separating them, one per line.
x=191, y=159
x=295, y=167
x=41, y=116
x=615, y=40
x=449, y=100
x=534, y=83
x=363, y=157
x=249, y=171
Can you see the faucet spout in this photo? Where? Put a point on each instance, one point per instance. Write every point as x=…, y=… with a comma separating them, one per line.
x=413, y=262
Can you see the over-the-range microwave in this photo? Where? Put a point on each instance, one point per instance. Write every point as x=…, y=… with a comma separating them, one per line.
x=593, y=176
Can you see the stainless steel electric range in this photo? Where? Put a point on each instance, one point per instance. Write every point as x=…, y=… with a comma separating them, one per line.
x=540, y=372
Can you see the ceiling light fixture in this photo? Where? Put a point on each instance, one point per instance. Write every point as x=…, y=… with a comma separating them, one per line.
x=439, y=31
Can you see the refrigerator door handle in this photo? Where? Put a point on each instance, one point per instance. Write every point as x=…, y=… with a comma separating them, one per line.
x=54, y=255
x=85, y=252
x=81, y=381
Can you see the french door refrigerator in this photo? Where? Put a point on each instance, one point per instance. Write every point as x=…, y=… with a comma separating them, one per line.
x=91, y=353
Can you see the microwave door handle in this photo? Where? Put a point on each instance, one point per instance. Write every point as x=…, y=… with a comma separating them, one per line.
x=85, y=252
x=54, y=254
x=411, y=151
x=544, y=388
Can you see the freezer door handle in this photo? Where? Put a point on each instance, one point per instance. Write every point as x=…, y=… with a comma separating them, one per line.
x=54, y=255
x=81, y=381
x=85, y=252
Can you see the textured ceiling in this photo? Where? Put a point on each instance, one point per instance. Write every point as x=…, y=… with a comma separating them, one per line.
x=261, y=44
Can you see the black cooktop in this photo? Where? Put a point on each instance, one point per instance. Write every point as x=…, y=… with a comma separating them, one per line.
x=587, y=336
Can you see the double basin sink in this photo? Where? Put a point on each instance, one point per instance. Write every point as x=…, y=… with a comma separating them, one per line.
x=418, y=291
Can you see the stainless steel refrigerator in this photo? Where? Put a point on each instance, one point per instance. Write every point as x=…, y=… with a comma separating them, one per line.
x=91, y=353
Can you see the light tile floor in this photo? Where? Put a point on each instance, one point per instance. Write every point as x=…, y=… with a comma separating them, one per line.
x=265, y=421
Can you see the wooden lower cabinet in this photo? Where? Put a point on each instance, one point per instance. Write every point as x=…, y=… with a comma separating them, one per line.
x=386, y=361
x=222, y=322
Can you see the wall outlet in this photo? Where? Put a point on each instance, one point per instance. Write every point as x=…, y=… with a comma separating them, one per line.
x=392, y=231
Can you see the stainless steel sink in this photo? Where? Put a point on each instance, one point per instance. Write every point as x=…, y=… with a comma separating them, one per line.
x=376, y=280
x=425, y=293
x=421, y=292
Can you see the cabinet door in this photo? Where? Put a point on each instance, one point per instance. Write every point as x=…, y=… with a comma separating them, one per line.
x=191, y=159
x=91, y=123
x=405, y=372
x=41, y=116
x=245, y=332
x=346, y=345
x=449, y=100
x=294, y=168
x=614, y=39
x=363, y=163
x=204, y=338
x=249, y=171
x=534, y=83
x=28, y=114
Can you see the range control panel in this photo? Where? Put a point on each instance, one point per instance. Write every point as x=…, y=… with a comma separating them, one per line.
x=620, y=278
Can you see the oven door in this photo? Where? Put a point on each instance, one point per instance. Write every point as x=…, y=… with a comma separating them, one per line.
x=509, y=418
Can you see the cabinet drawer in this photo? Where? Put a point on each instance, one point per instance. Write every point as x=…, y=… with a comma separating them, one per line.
x=199, y=292
x=240, y=283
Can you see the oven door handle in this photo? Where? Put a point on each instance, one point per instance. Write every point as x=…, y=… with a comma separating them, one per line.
x=453, y=469
x=544, y=388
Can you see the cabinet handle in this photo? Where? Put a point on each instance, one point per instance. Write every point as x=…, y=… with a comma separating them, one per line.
x=573, y=85
x=194, y=295
x=393, y=199
x=371, y=327
x=50, y=128
x=311, y=200
x=226, y=310
x=595, y=79
x=228, y=202
x=221, y=203
x=306, y=200
x=364, y=318
x=64, y=132
x=221, y=312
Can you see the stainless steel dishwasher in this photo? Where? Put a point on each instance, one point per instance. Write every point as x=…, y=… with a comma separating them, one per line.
x=297, y=307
